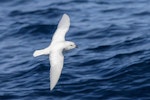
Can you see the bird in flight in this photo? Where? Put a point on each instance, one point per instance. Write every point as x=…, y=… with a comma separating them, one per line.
x=56, y=48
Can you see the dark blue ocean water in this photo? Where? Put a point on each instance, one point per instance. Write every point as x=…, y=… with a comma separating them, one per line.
x=111, y=63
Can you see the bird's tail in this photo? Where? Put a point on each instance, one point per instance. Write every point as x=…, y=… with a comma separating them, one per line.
x=45, y=51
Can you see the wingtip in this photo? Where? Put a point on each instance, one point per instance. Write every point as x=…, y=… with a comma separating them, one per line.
x=51, y=88
x=65, y=15
x=64, y=23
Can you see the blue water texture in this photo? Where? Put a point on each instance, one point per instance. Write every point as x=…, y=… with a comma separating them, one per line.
x=111, y=63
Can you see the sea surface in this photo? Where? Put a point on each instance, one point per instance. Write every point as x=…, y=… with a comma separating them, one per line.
x=112, y=61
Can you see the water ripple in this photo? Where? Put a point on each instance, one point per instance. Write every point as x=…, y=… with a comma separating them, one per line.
x=111, y=63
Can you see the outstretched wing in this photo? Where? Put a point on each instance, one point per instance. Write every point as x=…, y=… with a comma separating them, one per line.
x=62, y=29
x=56, y=62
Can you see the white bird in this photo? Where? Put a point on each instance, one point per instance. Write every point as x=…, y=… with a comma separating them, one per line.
x=55, y=50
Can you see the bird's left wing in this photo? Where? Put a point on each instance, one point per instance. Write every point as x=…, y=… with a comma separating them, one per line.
x=56, y=62
x=62, y=29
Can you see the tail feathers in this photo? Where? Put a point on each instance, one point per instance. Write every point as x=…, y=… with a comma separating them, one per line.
x=41, y=52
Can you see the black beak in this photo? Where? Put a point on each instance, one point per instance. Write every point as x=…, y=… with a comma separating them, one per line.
x=76, y=46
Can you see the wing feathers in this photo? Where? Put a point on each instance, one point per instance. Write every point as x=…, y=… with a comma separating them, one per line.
x=64, y=22
x=56, y=62
x=62, y=29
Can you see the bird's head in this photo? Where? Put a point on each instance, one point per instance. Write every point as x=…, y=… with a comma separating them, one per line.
x=70, y=45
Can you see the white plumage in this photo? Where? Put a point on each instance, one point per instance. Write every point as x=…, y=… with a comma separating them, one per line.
x=54, y=50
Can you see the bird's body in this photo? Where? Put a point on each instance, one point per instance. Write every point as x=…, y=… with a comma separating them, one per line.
x=55, y=49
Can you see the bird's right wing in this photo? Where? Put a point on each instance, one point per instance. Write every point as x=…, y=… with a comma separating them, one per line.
x=56, y=62
x=62, y=29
